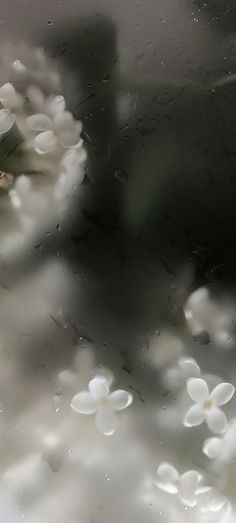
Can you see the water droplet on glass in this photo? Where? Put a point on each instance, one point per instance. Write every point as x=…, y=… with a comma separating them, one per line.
x=149, y=506
x=58, y=227
x=121, y=175
x=56, y=402
x=50, y=22
x=107, y=476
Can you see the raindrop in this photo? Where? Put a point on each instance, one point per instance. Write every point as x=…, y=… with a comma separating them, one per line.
x=58, y=227
x=107, y=476
x=149, y=506
x=50, y=22
x=56, y=402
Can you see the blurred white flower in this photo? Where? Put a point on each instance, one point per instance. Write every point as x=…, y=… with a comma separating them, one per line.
x=222, y=448
x=99, y=401
x=209, y=500
x=57, y=128
x=185, y=485
x=207, y=404
x=185, y=368
x=205, y=315
x=71, y=163
x=11, y=102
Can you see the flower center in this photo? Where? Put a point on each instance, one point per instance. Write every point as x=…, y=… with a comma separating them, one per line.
x=103, y=401
x=207, y=404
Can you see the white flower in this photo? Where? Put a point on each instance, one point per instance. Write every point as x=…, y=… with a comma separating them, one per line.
x=222, y=448
x=185, y=368
x=185, y=485
x=99, y=401
x=209, y=500
x=11, y=102
x=207, y=404
x=57, y=128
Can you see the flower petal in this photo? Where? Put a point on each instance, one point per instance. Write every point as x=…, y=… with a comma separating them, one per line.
x=216, y=419
x=187, y=497
x=120, y=399
x=167, y=472
x=209, y=500
x=7, y=120
x=99, y=388
x=56, y=105
x=9, y=97
x=167, y=476
x=197, y=389
x=195, y=416
x=189, y=367
x=106, y=421
x=39, y=122
x=45, y=142
x=212, y=447
x=35, y=96
x=191, y=479
x=222, y=393
x=68, y=130
x=188, y=486
x=84, y=403
x=18, y=66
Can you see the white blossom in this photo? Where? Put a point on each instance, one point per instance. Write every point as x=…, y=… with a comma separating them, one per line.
x=222, y=448
x=185, y=485
x=11, y=102
x=185, y=368
x=98, y=400
x=210, y=500
x=207, y=404
x=56, y=128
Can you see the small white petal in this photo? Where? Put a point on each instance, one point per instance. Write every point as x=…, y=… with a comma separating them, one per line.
x=171, y=488
x=106, y=421
x=189, y=367
x=120, y=399
x=188, y=486
x=197, y=389
x=212, y=447
x=209, y=500
x=45, y=142
x=15, y=199
x=167, y=472
x=7, y=120
x=56, y=105
x=23, y=185
x=195, y=416
x=84, y=403
x=167, y=476
x=222, y=393
x=187, y=497
x=190, y=479
x=68, y=130
x=18, y=67
x=39, y=122
x=216, y=419
x=9, y=97
x=99, y=388
x=35, y=96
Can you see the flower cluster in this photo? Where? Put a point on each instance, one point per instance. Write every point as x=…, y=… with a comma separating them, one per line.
x=39, y=129
x=190, y=491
